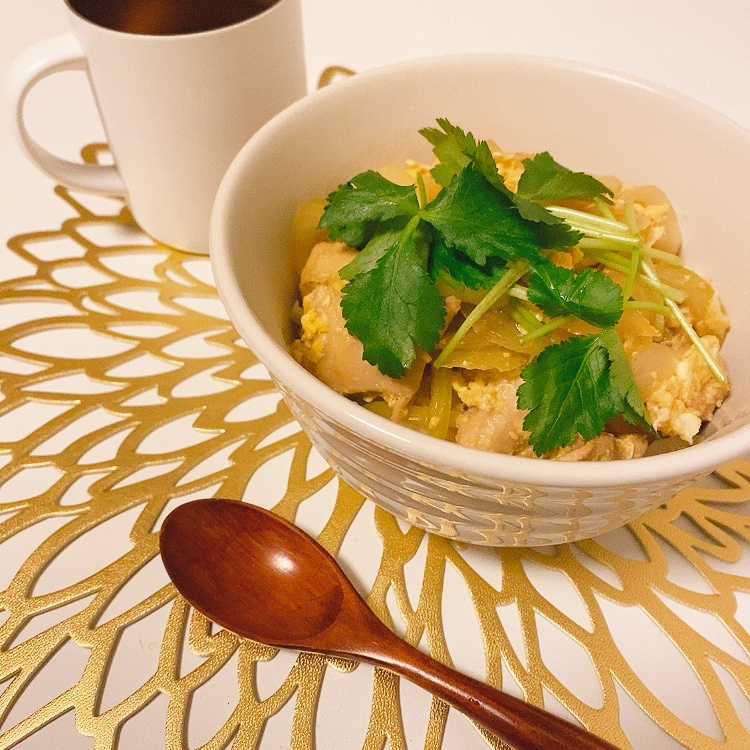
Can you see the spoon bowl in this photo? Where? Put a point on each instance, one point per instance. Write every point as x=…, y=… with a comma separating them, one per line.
x=284, y=592
x=262, y=577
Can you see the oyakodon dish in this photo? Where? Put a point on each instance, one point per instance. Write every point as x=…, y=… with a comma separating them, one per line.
x=510, y=304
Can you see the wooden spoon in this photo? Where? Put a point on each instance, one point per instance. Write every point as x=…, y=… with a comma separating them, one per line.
x=265, y=579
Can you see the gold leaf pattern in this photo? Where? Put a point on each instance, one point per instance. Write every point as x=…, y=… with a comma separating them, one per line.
x=158, y=402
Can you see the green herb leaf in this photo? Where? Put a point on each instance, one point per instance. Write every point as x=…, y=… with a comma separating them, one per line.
x=589, y=295
x=471, y=215
x=369, y=257
x=576, y=387
x=393, y=305
x=483, y=160
x=463, y=269
x=551, y=231
x=567, y=391
x=356, y=207
x=545, y=180
x=453, y=148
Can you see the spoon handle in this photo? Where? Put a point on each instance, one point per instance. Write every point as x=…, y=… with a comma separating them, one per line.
x=521, y=724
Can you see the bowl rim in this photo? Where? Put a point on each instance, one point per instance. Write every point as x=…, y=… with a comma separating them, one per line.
x=692, y=461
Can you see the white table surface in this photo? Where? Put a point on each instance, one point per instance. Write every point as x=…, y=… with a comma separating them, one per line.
x=699, y=48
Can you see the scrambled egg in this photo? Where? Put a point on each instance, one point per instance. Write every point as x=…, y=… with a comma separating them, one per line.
x=679, y=401
x=313, y=324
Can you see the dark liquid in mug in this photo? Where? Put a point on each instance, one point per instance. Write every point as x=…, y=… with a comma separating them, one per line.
x=165, y=17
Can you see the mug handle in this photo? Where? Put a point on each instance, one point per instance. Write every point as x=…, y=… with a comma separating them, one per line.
x=37, y=62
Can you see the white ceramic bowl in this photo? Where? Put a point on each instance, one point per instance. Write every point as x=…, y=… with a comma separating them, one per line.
x=589, y=119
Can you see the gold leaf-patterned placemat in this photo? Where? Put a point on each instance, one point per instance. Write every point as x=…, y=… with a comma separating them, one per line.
x=126, y=391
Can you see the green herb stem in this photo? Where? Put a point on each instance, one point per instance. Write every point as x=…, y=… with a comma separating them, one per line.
x=620, y=241
x=666, y=291
x=410, y=228
x=618, y=263
x=607, y=242
x=593, y=225
x=661, y=255
x=604, y=208
x=609, y=259
x=524, y=318
x=616, y=244
x=449, y=281
x=421, y=191
x=635, y=263
x=630, y=218
x=515, y=271
x=441, y=402
x=686, y=327
x=543, y=330
x=646, y=306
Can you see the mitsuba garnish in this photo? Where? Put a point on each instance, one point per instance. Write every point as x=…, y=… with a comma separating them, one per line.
x=508, y=303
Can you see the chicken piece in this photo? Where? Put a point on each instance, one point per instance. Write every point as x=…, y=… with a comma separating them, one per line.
x=492, y=430
x=328, y=350
x=323, y=264
x=679, y=389
x=493, y=421
x=604, y=447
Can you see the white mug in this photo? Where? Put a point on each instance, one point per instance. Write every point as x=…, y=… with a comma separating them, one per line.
x=176, y=107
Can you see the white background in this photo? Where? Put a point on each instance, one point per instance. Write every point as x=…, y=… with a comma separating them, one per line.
x=699, y=48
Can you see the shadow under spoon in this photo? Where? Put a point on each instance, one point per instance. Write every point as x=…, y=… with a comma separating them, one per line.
x=265, y=579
